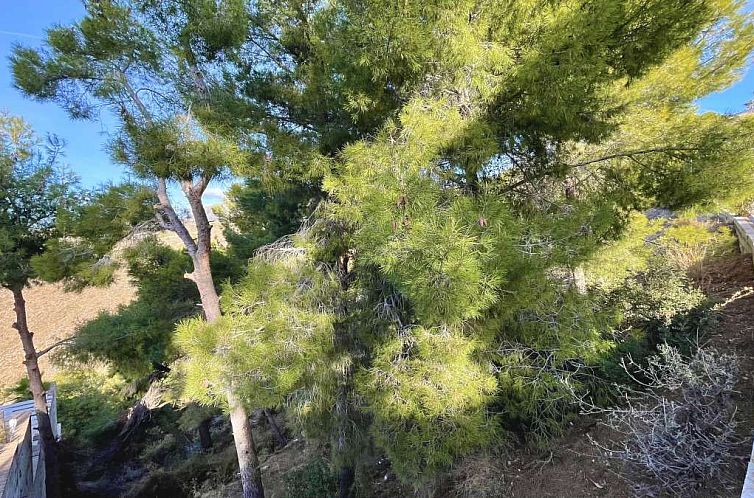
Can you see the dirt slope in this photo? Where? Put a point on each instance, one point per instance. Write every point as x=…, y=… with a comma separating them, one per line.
x=735, y=334
x=53, y=315
x=574, y=469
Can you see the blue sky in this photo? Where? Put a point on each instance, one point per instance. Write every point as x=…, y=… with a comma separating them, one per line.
x=25, y=21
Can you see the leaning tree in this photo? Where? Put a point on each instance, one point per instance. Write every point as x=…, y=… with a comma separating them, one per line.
x=477, y=150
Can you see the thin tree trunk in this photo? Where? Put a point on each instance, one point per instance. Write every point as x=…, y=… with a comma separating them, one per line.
x=38, y=394
x=202, y=277
x=205, y=436
x=199, y=251
x=248, y=463
x=342, y=409
x=346, y=473
x=345, y=481
x=280, y=439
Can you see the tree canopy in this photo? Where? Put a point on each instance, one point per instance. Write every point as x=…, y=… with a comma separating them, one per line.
x=460, y=177
x=30, y=197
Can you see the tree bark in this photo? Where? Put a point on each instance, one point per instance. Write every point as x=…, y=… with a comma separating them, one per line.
x=280, y=439
x=345, y=481
x=205, y=436
x=205, y=283
x=248, y=463
x=44, y=426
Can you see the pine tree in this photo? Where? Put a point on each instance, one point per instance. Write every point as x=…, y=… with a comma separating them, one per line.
x=149, y=62
x=475, y=155
x=30, y=195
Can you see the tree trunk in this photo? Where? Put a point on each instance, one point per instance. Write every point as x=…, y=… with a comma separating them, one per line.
x=248, y=463
x=205, y=436
x=141, y=411
x=202, y=277
x=280, y=439
x=44, y=425
x=342, y=405
x=345, y=481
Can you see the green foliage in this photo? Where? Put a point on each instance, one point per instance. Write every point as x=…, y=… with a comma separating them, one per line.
x=19, y=391
x=255, y=215
x=176, y=149
x=30, y=195
x=193, y=415
x=658, y=304
x=131, y=340
x=210, y=28
x=111, y=213
x=76, y=57
x=441, y=250
x=475, y=156
x=514, y=157
x=92, y=229
x=275, y=336
x=75, y=263
x=89, y=403
x=688, y=244
x=714, y=140
x=138, y=335
x=314, y=480
x=428, y=398
x=621, y=258
x=145, y=60
x=158, y=272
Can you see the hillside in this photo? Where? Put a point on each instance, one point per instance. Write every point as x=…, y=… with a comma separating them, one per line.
x=53, y=315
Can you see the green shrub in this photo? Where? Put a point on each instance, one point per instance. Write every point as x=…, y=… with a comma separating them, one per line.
x=314, y=480
x=689, y=244
x=18, y=391
x=89, y=403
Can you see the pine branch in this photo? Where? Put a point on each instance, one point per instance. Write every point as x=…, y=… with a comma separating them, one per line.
x=61, y=342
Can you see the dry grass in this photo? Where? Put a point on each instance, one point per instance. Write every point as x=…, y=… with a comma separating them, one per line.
x=479, y=476
x=53, y=315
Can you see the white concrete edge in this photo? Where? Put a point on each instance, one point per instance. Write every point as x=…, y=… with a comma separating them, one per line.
x=745, y=231
x=748, y=489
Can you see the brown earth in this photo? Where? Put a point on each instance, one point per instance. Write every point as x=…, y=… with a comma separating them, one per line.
x=574, y=467
x=732, y=282
x=53, y=315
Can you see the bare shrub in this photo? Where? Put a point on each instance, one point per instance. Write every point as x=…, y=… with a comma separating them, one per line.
x=479, y=475
x=680, y=433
